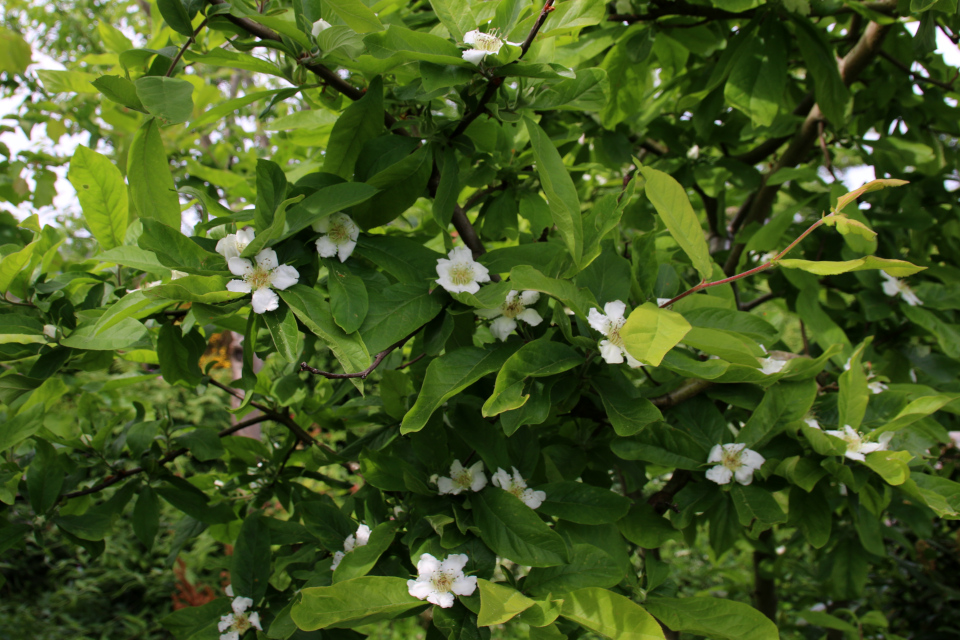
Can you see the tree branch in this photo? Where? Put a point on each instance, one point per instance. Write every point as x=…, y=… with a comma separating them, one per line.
x=663, y=499
x=678, y=395
x=366, y=372
x=176, y=59
x=279, y=418
x=761, y=202
x=170, y=455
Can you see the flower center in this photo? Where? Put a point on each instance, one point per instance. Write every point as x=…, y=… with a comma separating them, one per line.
x=731, y=460
x=461, y=274
x=853, y=440
x=259, y=279
x=487, y=42
x=442, y=582
x=614, y=335
x=240, y=623
x=338, y=233
x=513, y=309
x=463, y=479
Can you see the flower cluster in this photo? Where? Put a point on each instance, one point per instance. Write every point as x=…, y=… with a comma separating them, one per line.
x=733, y=461
x=233, y=625
x=359, y=539
x=514, y=308
x=437, y=581
x=462, y=479
x=609, y=324
x=516, y=485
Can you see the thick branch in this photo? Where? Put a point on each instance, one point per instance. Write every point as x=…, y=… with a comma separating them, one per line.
x=663, y=499
x=687, y=391
x=762, y=201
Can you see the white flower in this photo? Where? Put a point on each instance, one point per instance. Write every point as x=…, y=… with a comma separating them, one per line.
x=514, y=308
x=233, y=625
x=876, y=387
x=693, y=152
x=856, y=447
x=735, y=461
x=437, y=581
x=359, y=539
x=340, y=236
x=232, y=246
x=260, y=278
x=798, y=218
x=320, y=26
x=609, y=324
x=462, y=479
x=50, y=331
x=483, y=45
x=229, y=590
x=176, y=275
x=895, y=286
x=518, y=487
x=770, y=366
x=460, y=274
x=812, y=422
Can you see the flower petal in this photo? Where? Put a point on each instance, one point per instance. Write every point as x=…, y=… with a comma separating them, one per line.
x=239, y=286
x=427, y=565
x=241, y=604
x=454, y=564
x=598, y=321
x=447, y=486
x=530, y=316
x=265, y=300
x=719, y=474
x=419, y=589
x=744, y=475
x=240, y=266
x=267, y=259
x=284, y=277
x=503, y=327
x=529, y=298
x=254, y=620
x=464, y=585
x=474, y=56
x=716, y=454
x=346, y=249
x=611, y=353
x=615, y=309
x=470, y=37
x=325, y=247
x=443, y=600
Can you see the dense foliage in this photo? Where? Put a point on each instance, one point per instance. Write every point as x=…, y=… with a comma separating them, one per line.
x=490, y=312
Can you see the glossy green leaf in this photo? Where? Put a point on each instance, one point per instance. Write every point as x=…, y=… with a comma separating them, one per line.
x=102, y=194
x=122, y=335
x=897, y=268
x=713, y=618
x=356, y=14
x=558, y=188
x=610, y=614
x=361, y=560
x=650, y=332
x=175, y=15
x=360, y=122
x=671, y=202
x=514, y=531
x=250, y=569
x=353, y=603
x=582, y=503
x=536, y=359
x=148, y=172
x=589, y=566
x=169, y=99
x=282, y=324
x=500, y=603
x=646, y=528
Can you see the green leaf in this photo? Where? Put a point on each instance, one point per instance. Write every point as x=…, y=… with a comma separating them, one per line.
x=146, y=517
x=133, y=305
x=148, y=172
x=229, y=106
x=234, y=60
x=404, y=259
x=400, y=185
x=500, y=603
x=361, y=560
x=854, y=395
x=455, y=16
x=536, y=359
x=250, y=569
x=580, y=301
x=133, y=257
x=56, y=81
x=919, y=408
x=650, y=332
x=757, y=81
x=610, y=615
x=204, y=443
x=324, y=202
x=14, y=52
x=170, y=99
x=271, y=192
x=360, y=122
x=187, y=498
x=19, y=427
x=831, y=93
x=13, y=263
x=286, y=336
x=753, y=503
x=582, y=503
x=197, y=623
x=725, y=344
x=627, y=411
x=401, y=45
x=450, y=374
x=314, y=312
x=356, y=14
x=713, y=617
x=646, y=528
x=177, y=251
x=514, y=531
x=205, y=289
x=892, y=466
x=807, y=514
x=348, y=296
x=559, y=189
x=122, y=335
x=671, y=202
x=102, y=194
x=45, y=477
x=873, y=185
x=175, y=15
x=589, y=566
x=353, y=603
x=663, y=445
x=179, y=355
x=897, y=268
x=395, y=312
x=741, y=322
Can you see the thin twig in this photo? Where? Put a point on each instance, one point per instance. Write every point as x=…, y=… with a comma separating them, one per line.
x=826, y=153
x=170, y=455
x=756, y=302
x=917, y=76
x=190, y=41
x=410, y=362
x=366, y=372
x=279, y=418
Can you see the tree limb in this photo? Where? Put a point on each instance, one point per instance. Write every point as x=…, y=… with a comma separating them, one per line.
x=366, y=372
x=678, y=395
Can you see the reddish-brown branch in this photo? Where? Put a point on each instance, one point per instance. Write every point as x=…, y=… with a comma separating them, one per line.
x=761, y=202
x=176, y=59
x=662, y=500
